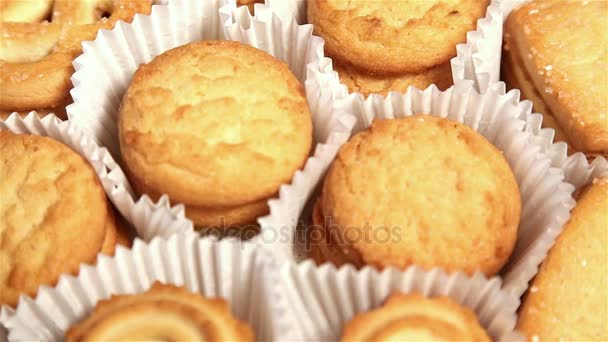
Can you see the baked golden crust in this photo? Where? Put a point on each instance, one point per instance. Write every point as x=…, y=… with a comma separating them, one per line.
x=387, y=37
x=568, y=299
x=412, y=317
x=228, y=216
x=164, y=312
x=563, y=48
x=36, y=57
x=214, y=124
x=367, y=84
x=439, y=191
x=43, y=230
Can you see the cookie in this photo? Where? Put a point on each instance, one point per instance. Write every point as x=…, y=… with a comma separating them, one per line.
x=420, y=190
x=413, y=317
x=164, y=312
x=568, y=298
x=214, y=124
x=366, y=84
x=45, y=231
x=387, y=37
x=558, y=54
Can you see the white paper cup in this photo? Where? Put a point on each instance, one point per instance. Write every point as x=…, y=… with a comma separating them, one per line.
x=104, y=70
x=149, y=219
x=324, y=298
x=546, y=198
x=242, y=275
x=477, y=60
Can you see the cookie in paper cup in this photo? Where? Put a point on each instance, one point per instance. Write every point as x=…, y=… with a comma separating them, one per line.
x=242, y=276
x=324, y=299
x=169, y=220
x=149, y=219
x=477, y=59
x=119, y=53
x=546, y=198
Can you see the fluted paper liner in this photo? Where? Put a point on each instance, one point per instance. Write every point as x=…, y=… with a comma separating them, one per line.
x=325, y=298
x=477, y=60
x=546, y=197
x=226, y=269
x=104, y=70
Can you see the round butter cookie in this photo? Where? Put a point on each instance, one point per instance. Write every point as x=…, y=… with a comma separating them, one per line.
x=44, y=229
x=568, y=300
x=394, y=37
x=214, y=124
x=420, y=190
x=413, y=317
x=164, y=312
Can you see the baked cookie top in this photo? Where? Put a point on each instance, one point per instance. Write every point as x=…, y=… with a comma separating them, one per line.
x=564, y=47
x=44, y=229
x=422, y=190
x=568, y=298
x=394, y=37
x=164, y=312
x=214, y=123
x=412, y=317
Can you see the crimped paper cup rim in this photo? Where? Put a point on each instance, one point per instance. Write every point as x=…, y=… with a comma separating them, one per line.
x=532, y=166
x=325, y=297
x=241, y=274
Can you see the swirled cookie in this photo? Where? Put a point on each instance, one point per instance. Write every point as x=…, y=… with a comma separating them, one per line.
x=418, y=190
x=164, y=312
x=44, y=230
x=216, y=125
x=40, y=39
x=412, y=317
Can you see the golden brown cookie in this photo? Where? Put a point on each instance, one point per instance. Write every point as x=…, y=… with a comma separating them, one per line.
x=217, y=125
x=568, y=300
x=413, y=317
x=36, y=55
x=44, y=229
x=420, y=190
x=558, y=55
x=388, y=37
x=164, y=312
x=366, y=84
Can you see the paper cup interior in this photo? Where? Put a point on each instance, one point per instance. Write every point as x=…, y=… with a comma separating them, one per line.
x=546, y=198
x=214, y=269
x=325, y=298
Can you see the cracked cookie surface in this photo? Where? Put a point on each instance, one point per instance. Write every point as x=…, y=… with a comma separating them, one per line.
x=44, y=229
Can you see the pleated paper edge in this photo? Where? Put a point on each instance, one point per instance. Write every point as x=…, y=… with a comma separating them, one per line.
x=494, y=307
x=49, y=315
x=479, y=58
